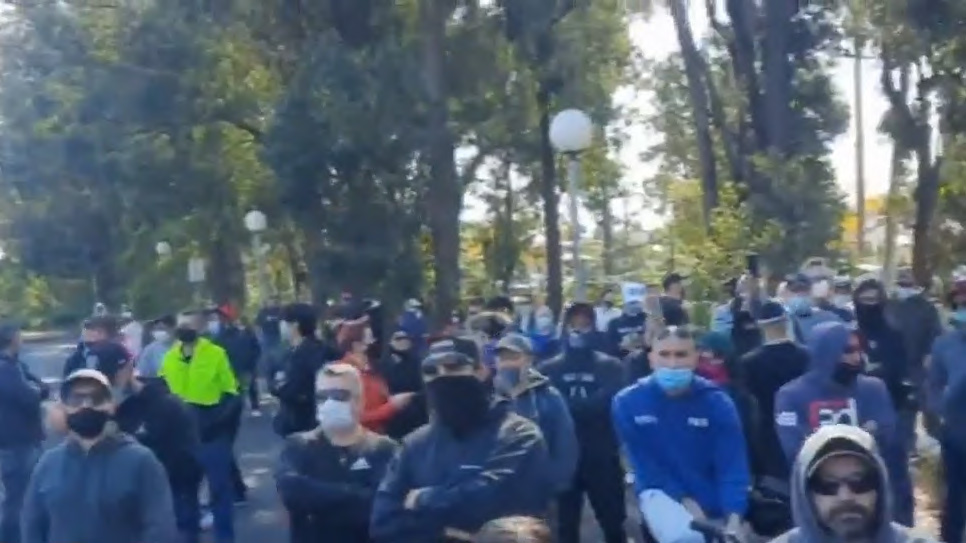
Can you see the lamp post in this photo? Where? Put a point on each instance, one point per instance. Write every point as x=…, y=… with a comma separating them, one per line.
x=256, y=223
x=571, y=132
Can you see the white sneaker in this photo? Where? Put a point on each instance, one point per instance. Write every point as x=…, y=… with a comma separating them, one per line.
x=207, y=521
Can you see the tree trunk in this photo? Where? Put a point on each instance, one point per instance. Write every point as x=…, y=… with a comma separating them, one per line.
x=778, y=73
x=551, y=211
x=896, y=175
x=699, y=105
x=224, y=276
x=607, y=236
x=860, y=153
x=444, y=197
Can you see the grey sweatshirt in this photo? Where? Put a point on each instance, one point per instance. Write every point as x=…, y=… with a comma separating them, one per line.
x=117, y=492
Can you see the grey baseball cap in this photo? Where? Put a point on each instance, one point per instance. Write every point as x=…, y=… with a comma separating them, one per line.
x=515, y=342
x=87, y=375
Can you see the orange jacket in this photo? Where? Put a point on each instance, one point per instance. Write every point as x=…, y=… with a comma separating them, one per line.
x=376, y=409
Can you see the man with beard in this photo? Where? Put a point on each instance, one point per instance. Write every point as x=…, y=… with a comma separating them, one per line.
x=474, y=462
x=588, y=381
x=835, y=391
x=840, y=492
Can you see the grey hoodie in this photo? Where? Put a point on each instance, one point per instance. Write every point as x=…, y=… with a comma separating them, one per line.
x=116, y=492
x=808, y=529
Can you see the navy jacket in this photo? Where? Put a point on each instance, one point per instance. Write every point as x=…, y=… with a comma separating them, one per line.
x=20, y=397
x=498, y=471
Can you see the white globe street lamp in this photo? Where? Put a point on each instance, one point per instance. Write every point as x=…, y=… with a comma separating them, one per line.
x=571, y=132
x=257, y=223
x=163, y=249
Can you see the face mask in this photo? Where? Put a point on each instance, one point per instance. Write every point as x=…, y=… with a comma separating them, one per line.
x=285, y=329
x=906, y=292
x=799, y=304
x=460, y=402
x=335, y=416
x=712, y=371
x=88, y=423
x=186, y=335
x=846, y=374
x=161, y=335
x=507, y=379
x=673, y=378
x=214, y=327
x=577, y=340
x=841, y=300
x=543, y=324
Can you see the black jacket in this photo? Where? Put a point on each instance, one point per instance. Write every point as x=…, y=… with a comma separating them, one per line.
x=242, y=347
x=104, y=356
x=163, y=423
x=329, y=490
x=762, y=372
x=496, y=472
x=296, y=389
x=588, y=381
x=20, y=396
x=401, y=371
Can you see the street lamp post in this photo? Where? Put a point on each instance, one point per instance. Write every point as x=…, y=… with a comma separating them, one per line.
x=256, y=223
x=572, y=132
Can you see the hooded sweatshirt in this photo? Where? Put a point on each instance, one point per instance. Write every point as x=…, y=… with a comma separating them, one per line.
x=816, y=399
x=116, y=492
x=807, y=528
x=541, y=403
x=690, y=446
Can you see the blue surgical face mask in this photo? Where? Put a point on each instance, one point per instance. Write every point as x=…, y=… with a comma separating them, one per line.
x=799, y=304
x=959, y=316
x=507, y=379
x=673, y=378
x=577, y=339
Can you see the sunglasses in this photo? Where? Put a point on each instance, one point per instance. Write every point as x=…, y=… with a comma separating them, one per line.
x=334, y=394
x=861, y=484
x=82, y=398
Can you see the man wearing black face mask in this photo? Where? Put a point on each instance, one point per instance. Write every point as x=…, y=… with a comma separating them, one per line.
x=588, y=381
x=401, y=370
x=474, y=462
x=835, y=391
x=124, y=489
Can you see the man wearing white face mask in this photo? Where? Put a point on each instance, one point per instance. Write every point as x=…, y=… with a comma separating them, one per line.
x=162, y=338
x=327, y=477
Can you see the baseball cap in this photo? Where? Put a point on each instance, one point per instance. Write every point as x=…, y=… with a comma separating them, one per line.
x=516, y=343
x=85, y=374
x=838, y=448
x=771, y=312
x=799, y=281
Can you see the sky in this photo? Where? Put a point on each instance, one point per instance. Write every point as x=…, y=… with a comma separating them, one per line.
x=657, y=39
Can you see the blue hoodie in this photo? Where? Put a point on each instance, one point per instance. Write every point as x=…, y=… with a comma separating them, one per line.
x=815, y=399
x=688, y=446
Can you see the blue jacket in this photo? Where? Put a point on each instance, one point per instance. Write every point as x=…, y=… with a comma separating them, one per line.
x=815, y=399
x=541, y=403
x=801, y=325
x=545, y=346
x=20, y=397
x=498, y=471
x=689, y=446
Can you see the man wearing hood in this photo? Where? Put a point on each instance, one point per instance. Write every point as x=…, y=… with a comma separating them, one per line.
x=886, y=354
x=946, y=405
x=835, y=391
x=840, y=492
x=588, y=380
x=474, y=462
x=534, y=398
x=123, y=488
x=804, y=314
x=400, y=368
x=684, y=439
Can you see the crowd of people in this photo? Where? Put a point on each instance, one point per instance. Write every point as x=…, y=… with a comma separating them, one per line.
x=792, y=416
